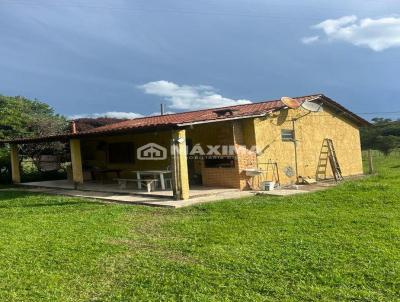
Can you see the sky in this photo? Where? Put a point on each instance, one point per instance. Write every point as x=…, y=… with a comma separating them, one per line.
x=123, y=58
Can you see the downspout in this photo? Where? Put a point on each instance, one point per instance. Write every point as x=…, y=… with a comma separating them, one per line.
x=295, y=149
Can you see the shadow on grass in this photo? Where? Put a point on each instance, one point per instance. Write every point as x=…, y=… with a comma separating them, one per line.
x=50, y=204
x=6, y=200
x=395, y=167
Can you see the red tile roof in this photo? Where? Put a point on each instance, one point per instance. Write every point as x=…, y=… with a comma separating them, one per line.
x=198, y=116
x=205, y=115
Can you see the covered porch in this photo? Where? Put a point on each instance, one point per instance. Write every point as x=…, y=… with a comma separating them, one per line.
x=110, y=161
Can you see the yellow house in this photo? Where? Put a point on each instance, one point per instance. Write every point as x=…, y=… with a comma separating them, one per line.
x=242, y=147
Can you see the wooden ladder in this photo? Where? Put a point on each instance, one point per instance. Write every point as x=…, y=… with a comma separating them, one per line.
x=328, y=153
x=337, y=172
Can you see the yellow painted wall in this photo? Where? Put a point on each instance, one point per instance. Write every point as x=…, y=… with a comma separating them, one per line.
x=249, y=138
x=218, y=133
x=76, y=160
x=310, y=131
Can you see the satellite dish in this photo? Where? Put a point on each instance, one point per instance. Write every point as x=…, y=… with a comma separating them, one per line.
x=291, y=103
x=313, y=107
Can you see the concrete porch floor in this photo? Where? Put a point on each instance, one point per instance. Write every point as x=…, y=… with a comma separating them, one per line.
x=112, y=191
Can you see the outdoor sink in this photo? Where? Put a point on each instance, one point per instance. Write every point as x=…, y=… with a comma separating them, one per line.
x=252, y=172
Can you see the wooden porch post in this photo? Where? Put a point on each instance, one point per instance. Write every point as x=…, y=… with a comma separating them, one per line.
x=76, y=161
x=180, y=177
x=15, y=169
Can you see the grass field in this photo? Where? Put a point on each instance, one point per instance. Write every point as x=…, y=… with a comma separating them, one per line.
x=340, y=244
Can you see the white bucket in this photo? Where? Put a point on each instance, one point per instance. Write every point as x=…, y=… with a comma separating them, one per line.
x=268, y=185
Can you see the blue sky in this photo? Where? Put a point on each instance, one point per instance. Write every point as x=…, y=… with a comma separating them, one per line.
x=101, y=56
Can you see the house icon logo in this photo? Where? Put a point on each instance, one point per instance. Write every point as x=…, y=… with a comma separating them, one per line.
x=152, y=151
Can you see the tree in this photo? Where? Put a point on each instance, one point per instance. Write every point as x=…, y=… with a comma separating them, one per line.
x=387, y=144
x=85, y=124
x=373, y=137
x=21, y=117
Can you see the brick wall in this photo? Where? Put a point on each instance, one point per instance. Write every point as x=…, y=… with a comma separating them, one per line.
x=234, y=177
x=245, y=158
x=221, y=177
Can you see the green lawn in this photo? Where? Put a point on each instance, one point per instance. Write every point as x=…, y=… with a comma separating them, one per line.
x=340, y=244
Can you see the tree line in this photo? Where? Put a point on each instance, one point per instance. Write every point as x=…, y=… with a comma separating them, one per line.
x=382, y=135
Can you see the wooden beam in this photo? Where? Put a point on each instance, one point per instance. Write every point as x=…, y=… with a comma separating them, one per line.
x=76, y=161
x=15, y=167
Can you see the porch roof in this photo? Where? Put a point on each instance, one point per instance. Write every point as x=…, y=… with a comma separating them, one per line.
x=171, y=121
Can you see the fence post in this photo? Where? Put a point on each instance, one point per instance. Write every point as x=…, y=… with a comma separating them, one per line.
x=370, y=163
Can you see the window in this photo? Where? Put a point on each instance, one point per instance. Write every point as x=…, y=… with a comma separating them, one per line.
x=120, y=153
x=287, y=135
x=219, y=163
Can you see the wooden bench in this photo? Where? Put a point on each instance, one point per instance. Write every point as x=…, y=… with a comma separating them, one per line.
x=149, y=183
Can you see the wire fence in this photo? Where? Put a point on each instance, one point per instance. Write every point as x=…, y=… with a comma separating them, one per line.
x=377, y=153
x=370, y=162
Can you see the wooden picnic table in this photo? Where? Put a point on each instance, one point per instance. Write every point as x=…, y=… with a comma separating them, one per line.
x=155, y=173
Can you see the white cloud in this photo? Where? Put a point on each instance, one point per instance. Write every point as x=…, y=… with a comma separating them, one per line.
x=332, y=26
x=111, y=114
x=377, y=34
x=179, y=97
x=309, y=40
x=187, y=97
